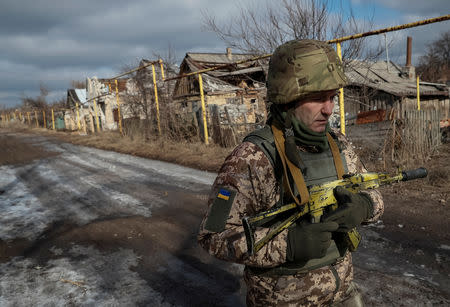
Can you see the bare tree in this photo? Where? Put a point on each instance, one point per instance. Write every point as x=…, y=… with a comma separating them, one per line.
x=78, y=84
x=137, y=100
x=141, y=100
x=259, y=30
x=434, y=66
x=60, y=103
x=40, y=102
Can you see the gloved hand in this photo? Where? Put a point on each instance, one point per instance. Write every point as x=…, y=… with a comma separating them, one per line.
x=353, y=209
x=308, y=241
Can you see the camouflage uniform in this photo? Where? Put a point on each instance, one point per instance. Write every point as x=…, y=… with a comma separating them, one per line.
x=248, y=172
x=248, y=184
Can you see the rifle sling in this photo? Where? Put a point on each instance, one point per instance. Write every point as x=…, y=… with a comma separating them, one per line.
x=336, y=156
x=295, y=171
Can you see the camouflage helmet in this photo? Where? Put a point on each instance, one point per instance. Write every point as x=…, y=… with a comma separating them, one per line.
x=301, y=67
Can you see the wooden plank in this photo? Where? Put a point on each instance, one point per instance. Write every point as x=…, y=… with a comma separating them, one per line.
x=233, y=132
x=428, y=130
x=445, y=109
x=417, y=129
x=434, y=119
x=437, y=128
x=433, y=136
x=216, y=129
x=421, y=132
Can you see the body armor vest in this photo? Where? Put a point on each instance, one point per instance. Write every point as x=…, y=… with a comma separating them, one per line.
x=319, y=169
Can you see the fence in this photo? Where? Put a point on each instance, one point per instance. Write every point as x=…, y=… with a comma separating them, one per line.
x=231, y=132
x=404, y=141
x=421, y=135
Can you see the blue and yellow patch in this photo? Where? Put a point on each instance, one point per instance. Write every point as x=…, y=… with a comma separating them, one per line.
x=220, y=209
x=224, y=194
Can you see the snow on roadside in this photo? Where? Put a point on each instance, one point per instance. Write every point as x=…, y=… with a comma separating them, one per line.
x=78, y=177
x=85, y=277
x=22, y=214
x=180, y=175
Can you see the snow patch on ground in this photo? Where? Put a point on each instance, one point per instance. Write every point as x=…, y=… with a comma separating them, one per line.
x=83, y=184
x=87, y=277
x=22, y=215
x=181, y=175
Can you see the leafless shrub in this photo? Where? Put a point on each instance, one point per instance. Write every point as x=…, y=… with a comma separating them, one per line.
x=434, y=66
x=39, y=102
x=78, y=84
x=260, y=30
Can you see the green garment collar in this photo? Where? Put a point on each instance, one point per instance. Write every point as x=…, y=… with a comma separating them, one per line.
x=302, y=135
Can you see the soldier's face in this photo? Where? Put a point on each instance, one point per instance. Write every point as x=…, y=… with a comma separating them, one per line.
x=315, y=110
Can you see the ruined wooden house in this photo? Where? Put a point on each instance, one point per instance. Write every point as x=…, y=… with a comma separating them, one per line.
x=390, y=88
x=234, y=94
x=380, y=93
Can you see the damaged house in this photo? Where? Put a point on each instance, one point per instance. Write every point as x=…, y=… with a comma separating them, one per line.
x=97, y=99
x=78, y=115
x=390, y=90
x=136, y=97
x=104, y=92
x=141, y=99
x=379, y=93
x=382, y=90
x=234, y=94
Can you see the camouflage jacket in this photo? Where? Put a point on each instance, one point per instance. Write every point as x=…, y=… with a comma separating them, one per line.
x=249, y=174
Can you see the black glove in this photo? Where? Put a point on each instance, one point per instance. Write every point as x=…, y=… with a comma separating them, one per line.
x=308, y=241
x=353, y=209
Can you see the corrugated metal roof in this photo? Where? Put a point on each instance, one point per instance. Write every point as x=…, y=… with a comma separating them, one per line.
x=241, y=71
x=81, y=94
x=212, y=81
x=199, y=61
x=212, y=84
x=389, y=77
x=218, y=58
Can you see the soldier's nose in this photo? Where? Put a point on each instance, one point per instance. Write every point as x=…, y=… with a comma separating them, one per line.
x=327, y=108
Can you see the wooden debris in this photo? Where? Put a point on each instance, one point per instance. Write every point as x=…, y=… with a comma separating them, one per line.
x=79, y=284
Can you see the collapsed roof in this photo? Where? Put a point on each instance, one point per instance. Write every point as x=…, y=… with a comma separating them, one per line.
x=228, y=77
x=77, y=95
x=390, y=78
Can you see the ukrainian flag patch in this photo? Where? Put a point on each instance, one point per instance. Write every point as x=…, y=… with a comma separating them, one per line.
x=224, y=194
x=220, y=209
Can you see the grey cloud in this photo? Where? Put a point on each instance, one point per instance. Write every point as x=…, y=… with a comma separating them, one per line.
x=56, y=41
x=424, y=7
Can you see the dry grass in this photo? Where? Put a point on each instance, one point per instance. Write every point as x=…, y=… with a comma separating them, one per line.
x=15, y=125
x=14, y=151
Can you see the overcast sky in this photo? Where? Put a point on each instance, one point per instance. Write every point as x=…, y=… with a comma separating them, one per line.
x=55, y=41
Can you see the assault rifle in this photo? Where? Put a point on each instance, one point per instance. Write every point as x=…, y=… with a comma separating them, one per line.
x=321, y=201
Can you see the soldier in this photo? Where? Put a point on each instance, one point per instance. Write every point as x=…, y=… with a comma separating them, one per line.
x=302, y=265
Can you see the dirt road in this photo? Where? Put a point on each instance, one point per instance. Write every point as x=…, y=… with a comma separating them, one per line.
x=82, y=226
